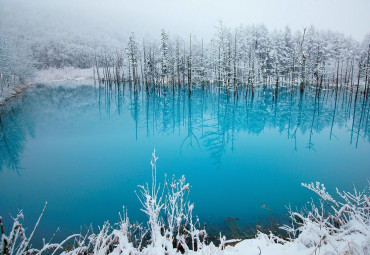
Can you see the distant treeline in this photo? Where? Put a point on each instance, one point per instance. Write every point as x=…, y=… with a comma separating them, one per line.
x=250, y=56
x=247, y=55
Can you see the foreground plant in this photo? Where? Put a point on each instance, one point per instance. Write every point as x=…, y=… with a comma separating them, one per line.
x=334, y=227
x=171, y=228
x=342, y=224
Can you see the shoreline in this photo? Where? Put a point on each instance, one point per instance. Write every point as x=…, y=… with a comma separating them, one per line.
x=54, y=76
x=62, y=74
x=46, y=76
x=310, y=233
x=13, y=92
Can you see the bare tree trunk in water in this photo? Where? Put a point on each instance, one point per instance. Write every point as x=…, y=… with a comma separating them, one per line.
x=189, y=68
x=358, y=78
x=302, y=85
x=366, y=91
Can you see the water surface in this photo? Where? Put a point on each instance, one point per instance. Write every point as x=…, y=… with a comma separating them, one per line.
x=84, y=149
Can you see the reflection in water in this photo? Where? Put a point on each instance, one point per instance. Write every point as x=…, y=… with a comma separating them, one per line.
x=245, y=157
x=214, y=121
x=15, y=126
x=211, y=121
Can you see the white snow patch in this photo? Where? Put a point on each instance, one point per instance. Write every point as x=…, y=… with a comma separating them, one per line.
x=63, y=74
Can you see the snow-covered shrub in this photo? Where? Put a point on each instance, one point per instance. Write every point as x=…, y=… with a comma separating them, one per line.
x=171, y=225
x=333, y=227
x=18, y=243
x=171, y=228
x=343, y=224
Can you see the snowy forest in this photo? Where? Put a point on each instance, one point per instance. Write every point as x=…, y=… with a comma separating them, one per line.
x=251, y=111
x=244, y=56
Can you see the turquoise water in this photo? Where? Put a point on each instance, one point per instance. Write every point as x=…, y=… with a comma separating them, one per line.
x=84, y=149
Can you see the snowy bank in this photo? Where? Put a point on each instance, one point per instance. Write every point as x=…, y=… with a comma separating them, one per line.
x=10, y=92
x=62, y=74
x=51, y=76
x=327, y=227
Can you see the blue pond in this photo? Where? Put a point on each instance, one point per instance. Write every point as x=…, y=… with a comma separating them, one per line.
x=85, y=148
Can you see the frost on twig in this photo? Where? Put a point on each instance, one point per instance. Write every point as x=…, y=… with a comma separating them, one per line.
x=338, y=225
x=320, y=190
x=170, y=219
x=171, y=227
x=339, y=221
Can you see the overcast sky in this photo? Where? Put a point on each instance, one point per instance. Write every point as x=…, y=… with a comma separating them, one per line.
x=349, y=17
x=198, y=16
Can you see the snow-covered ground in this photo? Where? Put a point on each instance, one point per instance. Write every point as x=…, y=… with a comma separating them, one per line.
x=62, y=74
x=263, y=244
x=51, y=76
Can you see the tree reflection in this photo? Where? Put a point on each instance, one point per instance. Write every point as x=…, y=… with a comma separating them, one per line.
x=15, y=127
x=209, y=120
